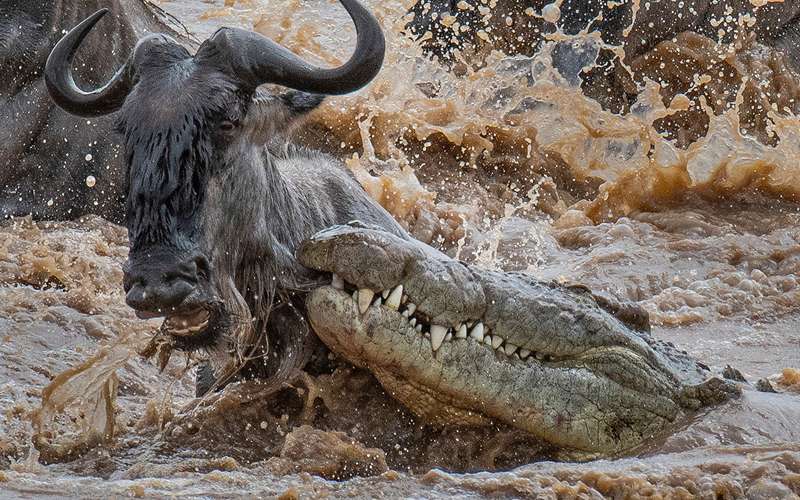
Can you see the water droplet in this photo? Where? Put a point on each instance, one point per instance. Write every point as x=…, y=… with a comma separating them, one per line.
x=89, y=157
x=551, y=13
x=90, y=181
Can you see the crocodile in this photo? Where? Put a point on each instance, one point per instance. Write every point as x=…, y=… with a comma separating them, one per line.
x=461, y=345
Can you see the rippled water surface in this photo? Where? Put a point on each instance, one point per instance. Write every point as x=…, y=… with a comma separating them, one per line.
x=506, y=164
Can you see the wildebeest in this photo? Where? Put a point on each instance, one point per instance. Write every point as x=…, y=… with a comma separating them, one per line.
x=217, y=202
x=46, y=154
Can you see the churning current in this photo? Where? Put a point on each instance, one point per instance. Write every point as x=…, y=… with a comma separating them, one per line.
x=665, y=175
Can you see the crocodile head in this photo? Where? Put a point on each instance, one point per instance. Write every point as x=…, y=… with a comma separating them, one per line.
x=462, y=345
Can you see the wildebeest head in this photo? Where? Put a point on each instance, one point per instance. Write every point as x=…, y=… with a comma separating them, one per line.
x=194, y=129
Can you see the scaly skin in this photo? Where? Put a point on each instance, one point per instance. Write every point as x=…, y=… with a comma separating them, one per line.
x=561, y=366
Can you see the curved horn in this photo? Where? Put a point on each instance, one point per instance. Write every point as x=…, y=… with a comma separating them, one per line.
x=257, y=59
x=61, y=84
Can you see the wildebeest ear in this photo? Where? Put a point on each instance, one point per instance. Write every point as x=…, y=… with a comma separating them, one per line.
x=300, y=103
x=273, y=115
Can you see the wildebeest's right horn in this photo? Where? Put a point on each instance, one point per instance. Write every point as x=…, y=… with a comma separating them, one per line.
x=257, y=59
x=62, y=87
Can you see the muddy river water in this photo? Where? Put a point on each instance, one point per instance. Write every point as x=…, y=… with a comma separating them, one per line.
x=686, y=206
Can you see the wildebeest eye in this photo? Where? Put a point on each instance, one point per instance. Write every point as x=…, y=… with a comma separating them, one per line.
x=227, y=125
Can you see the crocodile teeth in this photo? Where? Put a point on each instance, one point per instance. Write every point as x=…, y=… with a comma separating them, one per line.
x=405, y=313
x=411, y=308
x=438, y=333
x=393, y=302
x=355, y=296
x=364, y=299
x=462, y=331
x=385, y=293
x=497, y=341
x=418, y=328
x=378, y=301
x=523, y=353
x=413, y=321
x=448, y=337
x=477, y=332
x=487, y=340
x=337, y=282
x=539, y=355
x=510, y=348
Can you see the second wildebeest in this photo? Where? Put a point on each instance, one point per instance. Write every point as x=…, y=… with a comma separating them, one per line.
x=46, y=154
x=217, y=201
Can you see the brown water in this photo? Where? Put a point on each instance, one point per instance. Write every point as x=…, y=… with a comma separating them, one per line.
x=688, y=208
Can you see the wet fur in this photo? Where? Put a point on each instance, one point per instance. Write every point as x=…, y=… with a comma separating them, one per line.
x=264, y=208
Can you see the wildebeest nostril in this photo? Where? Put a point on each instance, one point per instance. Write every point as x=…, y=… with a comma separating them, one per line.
x=162, y=296
x=136, y=297
x=161, y=282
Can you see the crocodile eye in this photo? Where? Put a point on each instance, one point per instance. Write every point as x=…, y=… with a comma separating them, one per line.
x=227, y=125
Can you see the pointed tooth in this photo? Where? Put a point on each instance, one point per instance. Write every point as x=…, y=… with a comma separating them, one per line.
x=337, y=282
x=393, y=302
x=378, y=301
x=385, y=293
x=523, y=353
x=539, y=355
x=487, y=340
x=448, y=337
x=418, y=327
x=516, y=355
x=355, y=296
x=477, y=332
x=404, y=299
x=438, y=333
x=497, y=341
x=405, y=313
x=411, y=308
x=364, y=299
x=510, y=348
x=413, y=321
x=462, y=331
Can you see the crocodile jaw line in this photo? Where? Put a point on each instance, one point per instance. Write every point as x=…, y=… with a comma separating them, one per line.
x=467, y=375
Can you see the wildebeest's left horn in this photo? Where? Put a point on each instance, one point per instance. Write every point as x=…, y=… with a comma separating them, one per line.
x=257, y=59
x=61, y=84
